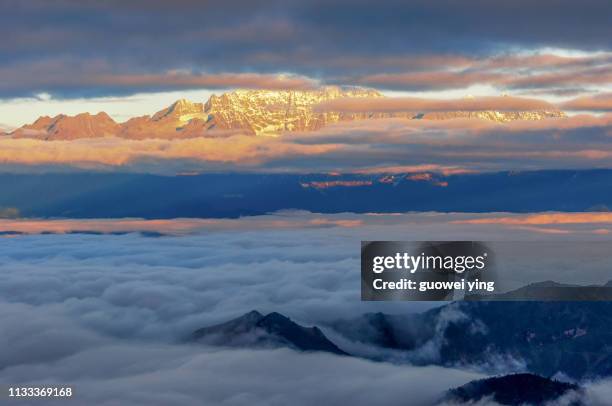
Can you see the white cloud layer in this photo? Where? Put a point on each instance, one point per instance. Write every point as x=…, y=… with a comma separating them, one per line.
x=107, y=313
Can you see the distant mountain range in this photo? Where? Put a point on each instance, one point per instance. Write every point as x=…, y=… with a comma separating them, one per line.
x=551, y=291
x=254, y=112
x=544, y=338
x=550, y=338
x=103, y=195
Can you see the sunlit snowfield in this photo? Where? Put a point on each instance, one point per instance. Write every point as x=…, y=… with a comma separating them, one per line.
x=108, y=309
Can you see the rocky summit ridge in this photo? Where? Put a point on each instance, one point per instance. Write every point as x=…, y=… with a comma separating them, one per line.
x=251, y=112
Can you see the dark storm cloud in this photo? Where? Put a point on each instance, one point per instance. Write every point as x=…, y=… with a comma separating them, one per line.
x=50, y=46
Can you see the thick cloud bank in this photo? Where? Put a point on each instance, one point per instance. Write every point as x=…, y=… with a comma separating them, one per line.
x=108, y=313
x=385, y=145
x=423, y=45
x=132, y=374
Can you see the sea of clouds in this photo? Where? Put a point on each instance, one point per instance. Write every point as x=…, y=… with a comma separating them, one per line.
x=109, y=314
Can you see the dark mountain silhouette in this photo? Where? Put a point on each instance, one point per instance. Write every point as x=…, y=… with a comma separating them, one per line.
x=545, y=338
x=551, y=291
x=549, y=337
x=514, y=390
x=399, y=332
x=104, y=195
x=273, y=330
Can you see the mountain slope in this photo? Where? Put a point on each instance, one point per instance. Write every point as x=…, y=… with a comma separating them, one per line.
x=514, y=390
x=5, y=129
x=545, y=338
x=176, y=121
x=64, y=127
x=252, y=112
x=272, y=112
x=492, y=115
x=273, y=330
x=551, y=291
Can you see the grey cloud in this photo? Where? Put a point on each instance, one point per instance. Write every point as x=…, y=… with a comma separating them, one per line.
x=130, y=286
x=577, y=142
x=105, y=313
x=473, y=145
x=39, y=335
x=161, y=375
x=306, y=38
x=163, y=288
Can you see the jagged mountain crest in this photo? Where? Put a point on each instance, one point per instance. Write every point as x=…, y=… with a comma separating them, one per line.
x=544, y=338
x=179, y=109
x=253, y=329
x=63, y=127
x=251, y=112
